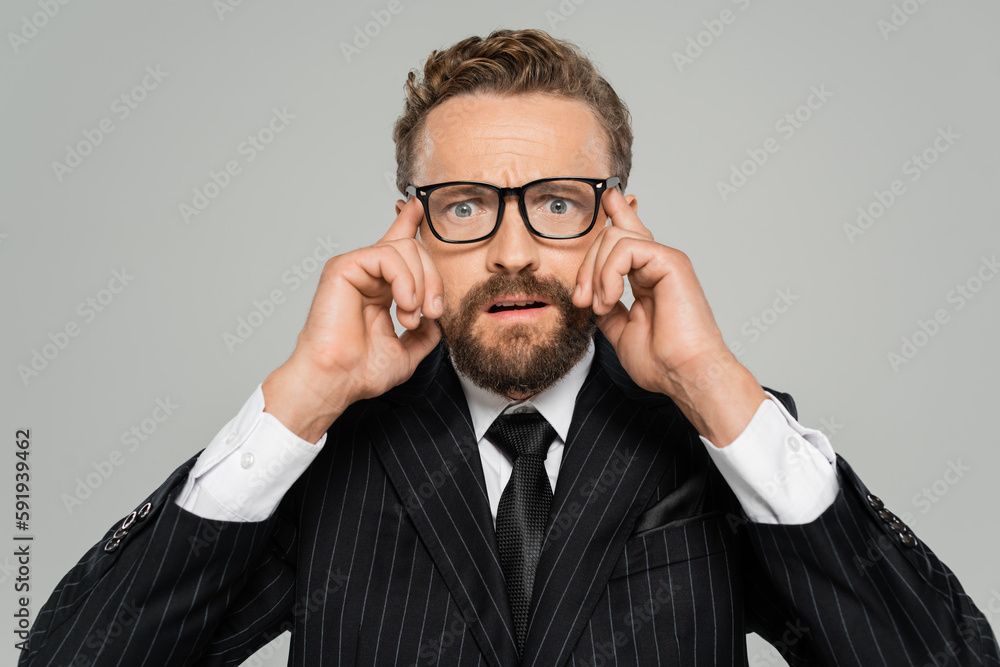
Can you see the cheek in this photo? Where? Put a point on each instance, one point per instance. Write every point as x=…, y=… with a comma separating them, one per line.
x=454, y=271
x=452, y=300
x=566, y=264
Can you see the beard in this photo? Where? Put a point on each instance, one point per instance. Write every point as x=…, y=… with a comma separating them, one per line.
x=517, y=360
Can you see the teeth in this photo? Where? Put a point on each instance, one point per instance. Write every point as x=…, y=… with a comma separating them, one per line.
x=514, y=303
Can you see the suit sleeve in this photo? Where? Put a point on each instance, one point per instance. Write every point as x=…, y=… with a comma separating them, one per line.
x=167, y=587
x=856, y=586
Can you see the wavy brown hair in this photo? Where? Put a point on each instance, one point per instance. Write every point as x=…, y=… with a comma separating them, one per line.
x=511, y=62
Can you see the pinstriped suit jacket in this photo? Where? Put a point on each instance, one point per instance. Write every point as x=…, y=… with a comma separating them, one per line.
x=384, y=552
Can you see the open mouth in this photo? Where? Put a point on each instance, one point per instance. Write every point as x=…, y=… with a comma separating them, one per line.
x=507, y=306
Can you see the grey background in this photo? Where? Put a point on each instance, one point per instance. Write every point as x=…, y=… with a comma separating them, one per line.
x=329, y=172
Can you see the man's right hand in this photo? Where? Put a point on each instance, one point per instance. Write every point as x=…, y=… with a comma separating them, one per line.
x=348, y=349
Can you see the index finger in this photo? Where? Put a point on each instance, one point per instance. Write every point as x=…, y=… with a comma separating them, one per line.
x=407, y=223
x=614, y=204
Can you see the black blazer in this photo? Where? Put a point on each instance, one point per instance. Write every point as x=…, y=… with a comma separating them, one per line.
x=384, y=552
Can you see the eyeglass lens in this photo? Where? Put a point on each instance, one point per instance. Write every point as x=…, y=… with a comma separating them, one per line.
x=554, y=208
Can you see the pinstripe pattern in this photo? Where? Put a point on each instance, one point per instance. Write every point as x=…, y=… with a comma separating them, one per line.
x=384, y=553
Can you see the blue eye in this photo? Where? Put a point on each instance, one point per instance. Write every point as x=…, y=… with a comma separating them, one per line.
x=462, y=210
x=558, y=206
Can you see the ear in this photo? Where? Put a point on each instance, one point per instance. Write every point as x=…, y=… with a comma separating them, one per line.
x=633, y=202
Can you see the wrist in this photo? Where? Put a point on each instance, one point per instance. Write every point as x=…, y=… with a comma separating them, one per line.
x=301, y=402
x=718, y=395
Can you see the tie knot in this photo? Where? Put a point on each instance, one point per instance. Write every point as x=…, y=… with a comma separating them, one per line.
x=522, y=434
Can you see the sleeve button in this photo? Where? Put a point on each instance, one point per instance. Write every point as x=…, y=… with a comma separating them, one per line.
x=875, y=502
x=112, y=544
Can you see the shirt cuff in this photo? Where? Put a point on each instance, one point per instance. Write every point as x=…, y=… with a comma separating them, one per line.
x=780, y=471
x=248, y=467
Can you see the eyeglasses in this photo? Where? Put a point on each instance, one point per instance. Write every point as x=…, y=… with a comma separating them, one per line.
x=552, y=208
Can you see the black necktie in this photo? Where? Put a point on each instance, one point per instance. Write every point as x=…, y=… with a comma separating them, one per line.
x=523, y=512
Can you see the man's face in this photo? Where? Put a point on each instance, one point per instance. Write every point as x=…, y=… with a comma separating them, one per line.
x=510, y=141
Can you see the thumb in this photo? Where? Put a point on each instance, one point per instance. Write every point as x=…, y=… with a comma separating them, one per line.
x=419, y=342
x=407, y=223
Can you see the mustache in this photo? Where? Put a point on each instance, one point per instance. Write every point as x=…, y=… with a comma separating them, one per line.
x=549, y=290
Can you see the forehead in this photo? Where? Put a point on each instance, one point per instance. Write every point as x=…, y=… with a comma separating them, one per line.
x=510, y=140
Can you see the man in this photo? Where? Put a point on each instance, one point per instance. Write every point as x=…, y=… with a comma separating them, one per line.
x=531, y=473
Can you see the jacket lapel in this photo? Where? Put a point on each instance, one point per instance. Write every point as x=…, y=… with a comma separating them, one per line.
x=427, y=446
x=613, y=460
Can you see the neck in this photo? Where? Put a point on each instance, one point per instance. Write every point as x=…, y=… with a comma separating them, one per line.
x=519, y=397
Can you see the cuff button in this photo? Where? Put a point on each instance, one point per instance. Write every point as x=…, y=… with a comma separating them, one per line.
x=129, y=520
x=908, y=539
x=112, y=544
x=875, y=502
x=143, y=512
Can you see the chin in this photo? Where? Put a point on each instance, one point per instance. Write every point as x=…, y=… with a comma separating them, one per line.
x=516, y=338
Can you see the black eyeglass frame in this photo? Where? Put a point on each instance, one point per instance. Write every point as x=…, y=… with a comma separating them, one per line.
x=600, y=185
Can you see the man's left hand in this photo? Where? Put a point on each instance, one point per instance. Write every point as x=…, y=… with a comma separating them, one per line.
x=668, y=341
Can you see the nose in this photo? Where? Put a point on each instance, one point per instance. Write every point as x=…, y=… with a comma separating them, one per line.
x=513, y=248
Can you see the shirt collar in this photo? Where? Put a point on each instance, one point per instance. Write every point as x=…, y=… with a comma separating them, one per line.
x=555, y=403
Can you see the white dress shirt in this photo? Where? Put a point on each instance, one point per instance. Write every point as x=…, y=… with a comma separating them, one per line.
x=780, y=471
